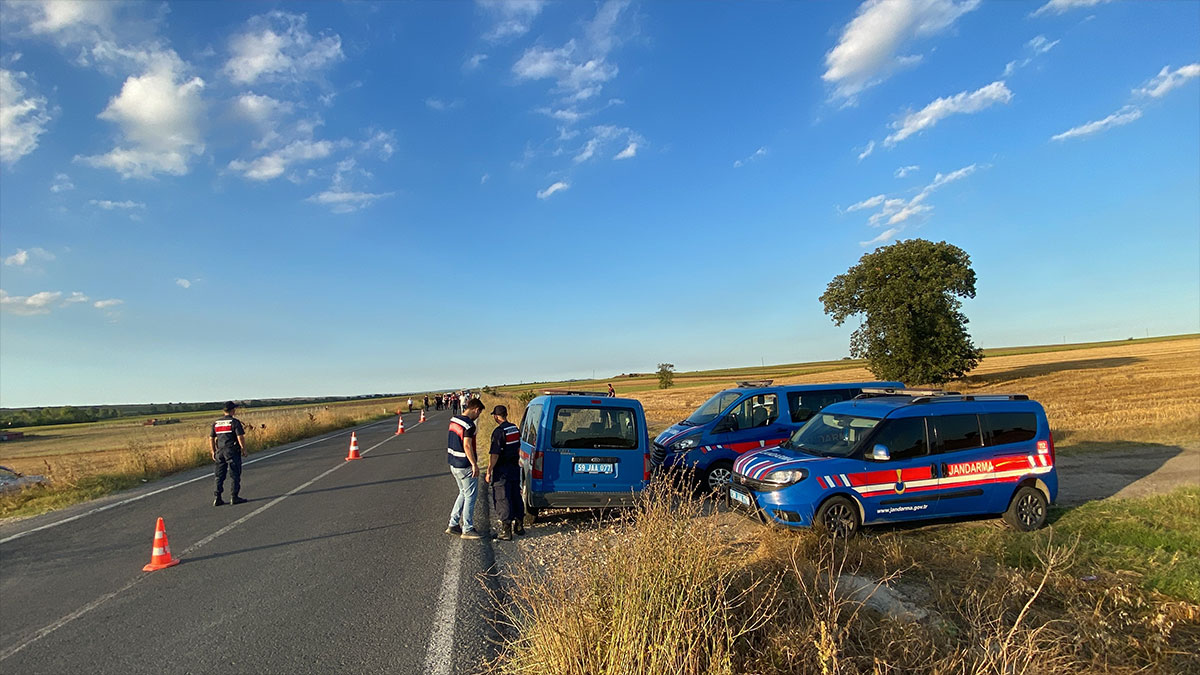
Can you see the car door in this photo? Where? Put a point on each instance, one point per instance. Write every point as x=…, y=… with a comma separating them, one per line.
x=905, y=486
x=966, y=475
x=594, y=448
x=751, y=423
x=530, y=425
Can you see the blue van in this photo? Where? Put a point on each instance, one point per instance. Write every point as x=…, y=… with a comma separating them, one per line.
x=750, y=416
x=907, y=456
x=583, y=449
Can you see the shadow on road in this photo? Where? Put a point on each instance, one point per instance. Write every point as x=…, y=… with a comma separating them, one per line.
x=264, y=547
x=1048, y=368
x=349, y=487
x=1088, y=476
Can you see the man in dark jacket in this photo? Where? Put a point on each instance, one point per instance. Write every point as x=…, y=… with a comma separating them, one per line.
x=228, y=438
x=504, y=473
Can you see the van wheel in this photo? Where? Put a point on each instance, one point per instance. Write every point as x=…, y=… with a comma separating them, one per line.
x=718, y=475
x=838, y=516
x=531, y=514
x=1027, y=510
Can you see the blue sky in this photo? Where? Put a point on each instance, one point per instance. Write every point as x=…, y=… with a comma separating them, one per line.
x=211, y=200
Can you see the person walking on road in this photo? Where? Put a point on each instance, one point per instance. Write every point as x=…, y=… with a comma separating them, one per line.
x=228, y=438
x=504, y=474
x=409, y=404
x=464, y=466
x=426, y=403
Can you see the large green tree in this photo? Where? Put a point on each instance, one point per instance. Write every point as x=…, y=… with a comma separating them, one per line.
x=908, y=294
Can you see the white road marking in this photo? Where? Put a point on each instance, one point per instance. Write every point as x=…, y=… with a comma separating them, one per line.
x=100, y=509
x=105, y=598
x=438, y=659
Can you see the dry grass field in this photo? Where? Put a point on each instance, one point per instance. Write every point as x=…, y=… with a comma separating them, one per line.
x=1137, y=393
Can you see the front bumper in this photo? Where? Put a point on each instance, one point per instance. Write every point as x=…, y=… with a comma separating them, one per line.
x=765, y=507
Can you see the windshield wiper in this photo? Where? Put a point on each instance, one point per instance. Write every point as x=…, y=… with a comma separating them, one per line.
x=687, y=423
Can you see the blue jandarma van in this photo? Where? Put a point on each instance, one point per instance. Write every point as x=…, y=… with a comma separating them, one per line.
x=906, y=455
x=583, y=449
x=750, y=416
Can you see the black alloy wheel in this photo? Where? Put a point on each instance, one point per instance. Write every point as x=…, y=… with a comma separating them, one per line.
x=839, y=517
x=1028, y=509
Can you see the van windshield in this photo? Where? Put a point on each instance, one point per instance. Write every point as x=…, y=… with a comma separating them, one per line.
x=595, y=428
x=713, y=407
x=831, y=435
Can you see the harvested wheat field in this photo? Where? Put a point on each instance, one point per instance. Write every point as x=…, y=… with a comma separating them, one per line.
x=1140, y=393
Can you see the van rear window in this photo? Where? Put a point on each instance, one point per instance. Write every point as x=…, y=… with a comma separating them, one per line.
x=1010, y=427
x=595, y=428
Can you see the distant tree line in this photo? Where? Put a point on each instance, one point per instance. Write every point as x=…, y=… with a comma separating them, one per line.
x=34, y=417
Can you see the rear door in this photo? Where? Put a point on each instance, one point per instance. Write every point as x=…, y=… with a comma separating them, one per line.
x=530, y=426
x=966, y=474
x=594, y=448
x=752, y=423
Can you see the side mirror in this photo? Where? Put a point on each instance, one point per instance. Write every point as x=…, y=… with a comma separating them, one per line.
x=880, y=453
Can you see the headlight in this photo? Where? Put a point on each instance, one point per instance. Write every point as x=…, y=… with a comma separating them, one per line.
x=685, y=445
x=786, y=476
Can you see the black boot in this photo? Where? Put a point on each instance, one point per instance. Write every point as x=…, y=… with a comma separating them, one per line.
x=506, y=531
x=518, y=526
x=218, y=501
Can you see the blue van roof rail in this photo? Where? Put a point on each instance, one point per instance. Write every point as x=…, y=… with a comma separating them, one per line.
x=754, y=384
x=872, y=392
x=971, y=397
x=571, y=392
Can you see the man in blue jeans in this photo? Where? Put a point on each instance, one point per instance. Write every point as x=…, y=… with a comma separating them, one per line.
x=464, y=466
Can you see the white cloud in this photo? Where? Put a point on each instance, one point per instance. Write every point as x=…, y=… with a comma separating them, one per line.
x=278, y=46
x=1121, y=117
x=867, y=151
x=57, y=15
x=474, y=62
x=556, y=187
x=905, y=170
x=23, y=256
x=1168, y=79
x=341, y=197
x=273, y=164
x=183, y=283
x=484, y=178
x=867, y=52
x=1063, y=6
x=22, y=118
x=107, y=304
x=75, y=298
x=883, y=236
x=629, y=152
x=568, y=115
x=108, y=205
x=38, y=303
x=761, y=152
x=869, y=203
x=941, y=108
x=512, y=18
x=62, y=183
x=439, y=104
x=1039, y=45
x=381, y=142
x=159, y=113
x=579, y=68
x=260, y=108
x=605, y=134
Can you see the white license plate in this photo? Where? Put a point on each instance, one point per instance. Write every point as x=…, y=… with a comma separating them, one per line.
x=594, y=468
x=740, y=498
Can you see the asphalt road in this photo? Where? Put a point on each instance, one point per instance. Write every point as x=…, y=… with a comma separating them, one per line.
x=332, y=566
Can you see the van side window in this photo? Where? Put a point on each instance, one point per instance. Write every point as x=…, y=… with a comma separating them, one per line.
x=956, y=432
x=1010, y=427
x=529, y=425
x=904, y=437
x=804, y=404
x=757, y=411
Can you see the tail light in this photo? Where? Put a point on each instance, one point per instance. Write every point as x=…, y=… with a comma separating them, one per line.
x=646, y=466
x=1047, y=447
x=537, y=464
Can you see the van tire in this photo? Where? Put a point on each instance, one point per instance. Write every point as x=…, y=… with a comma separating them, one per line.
x=1028, y=509
x=838, y=517
x=718, y=475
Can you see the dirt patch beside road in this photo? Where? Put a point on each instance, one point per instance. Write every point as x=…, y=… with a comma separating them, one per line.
x=1138, y=471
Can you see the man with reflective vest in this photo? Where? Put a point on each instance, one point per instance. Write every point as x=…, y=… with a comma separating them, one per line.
x=504, y=473
x=464, y=466
x=228, y=438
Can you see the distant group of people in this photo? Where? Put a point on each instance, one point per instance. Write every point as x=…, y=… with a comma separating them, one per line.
x=453, y=401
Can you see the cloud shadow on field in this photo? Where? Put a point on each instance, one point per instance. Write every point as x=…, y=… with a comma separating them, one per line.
x=1049, y=368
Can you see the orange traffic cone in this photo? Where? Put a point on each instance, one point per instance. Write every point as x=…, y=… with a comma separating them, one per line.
x=400, y=428
x=353, y=447
x=422, y=420
x=160, y=553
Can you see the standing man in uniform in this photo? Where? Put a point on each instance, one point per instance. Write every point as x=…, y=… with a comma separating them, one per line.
x=464, y=466
x=409, y=404
x=504, y=473
x=228, y=438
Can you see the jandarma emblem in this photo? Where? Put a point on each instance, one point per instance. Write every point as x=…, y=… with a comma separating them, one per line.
x=899, y=482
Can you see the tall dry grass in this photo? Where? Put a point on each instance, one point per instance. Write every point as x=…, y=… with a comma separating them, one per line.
x=670, y=590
